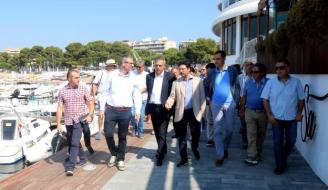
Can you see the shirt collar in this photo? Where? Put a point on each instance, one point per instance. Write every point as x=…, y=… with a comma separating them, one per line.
x=160, y=75
x=225, y=68
x=190, y=78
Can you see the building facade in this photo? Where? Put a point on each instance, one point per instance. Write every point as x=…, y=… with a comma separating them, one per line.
x=239, y=24
x=157, y=46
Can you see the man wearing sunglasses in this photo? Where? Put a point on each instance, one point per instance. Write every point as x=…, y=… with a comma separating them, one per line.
x=251, y=107
x=283, y=100
x=141, y=79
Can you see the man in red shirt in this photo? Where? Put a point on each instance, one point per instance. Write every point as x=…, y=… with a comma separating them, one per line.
x=76, y=103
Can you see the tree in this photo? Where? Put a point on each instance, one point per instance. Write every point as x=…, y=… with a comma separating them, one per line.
x=201, y=51
x=75, y=52
x=5, y=61
x=37, y=56
x=173, y=56
x=146, y=55
x=119, y=49
x=96, y=52
x=54, y=56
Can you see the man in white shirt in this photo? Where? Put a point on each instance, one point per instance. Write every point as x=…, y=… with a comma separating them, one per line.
x=98, y=86
x=141, y=79
x=119, y=96
x=159, y=85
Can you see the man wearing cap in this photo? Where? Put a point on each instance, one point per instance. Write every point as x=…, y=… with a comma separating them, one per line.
x=98, y=86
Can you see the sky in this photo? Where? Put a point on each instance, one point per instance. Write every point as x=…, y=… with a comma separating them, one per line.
x=25, y=23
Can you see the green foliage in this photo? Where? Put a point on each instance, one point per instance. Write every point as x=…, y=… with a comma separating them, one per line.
x=201, y=51
x=173, y=56
x=119, y=49
x=77, y=54
x=308, y=19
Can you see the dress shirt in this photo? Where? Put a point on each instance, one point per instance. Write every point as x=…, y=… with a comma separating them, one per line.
x=188, y=93
x=141, y=79
x=122, y=91
x=74, y=101
x=283, y=97
x=252, y=92
x=155, y=97
x=222, y=90
x=100, y=80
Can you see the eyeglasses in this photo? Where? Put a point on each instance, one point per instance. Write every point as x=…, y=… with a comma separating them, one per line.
x=280, y=68
x=255, y=72
x=158, y=65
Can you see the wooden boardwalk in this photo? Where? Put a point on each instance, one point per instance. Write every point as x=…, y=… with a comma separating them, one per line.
x=49, y=173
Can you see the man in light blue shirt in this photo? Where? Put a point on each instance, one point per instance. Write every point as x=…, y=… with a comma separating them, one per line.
x=283, y=100
x=221, y=89
x=121, y=94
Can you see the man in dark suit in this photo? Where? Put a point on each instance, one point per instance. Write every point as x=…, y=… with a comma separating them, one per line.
x=159, y=85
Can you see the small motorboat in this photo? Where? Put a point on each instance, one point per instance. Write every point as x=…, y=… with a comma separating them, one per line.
x=23, y=140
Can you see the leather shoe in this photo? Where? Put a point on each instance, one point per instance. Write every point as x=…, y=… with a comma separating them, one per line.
x=219, y=162
x=226, y=154
x=90, y=149
x=196, y=154
x=279, y=170
x=159, y=162
x=182, y=163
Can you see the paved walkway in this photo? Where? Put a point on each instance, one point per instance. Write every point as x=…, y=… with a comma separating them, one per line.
x=142, y=173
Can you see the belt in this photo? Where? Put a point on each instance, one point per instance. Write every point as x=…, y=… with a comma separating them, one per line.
x=256, y=110
x=158, y=105
x=118, y=108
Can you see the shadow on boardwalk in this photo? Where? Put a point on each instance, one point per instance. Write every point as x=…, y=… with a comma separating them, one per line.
x=142, y=173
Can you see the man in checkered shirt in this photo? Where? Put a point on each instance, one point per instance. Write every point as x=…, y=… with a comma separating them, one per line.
x=76, y=103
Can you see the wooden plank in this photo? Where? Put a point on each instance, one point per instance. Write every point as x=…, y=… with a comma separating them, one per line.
x=49, y=173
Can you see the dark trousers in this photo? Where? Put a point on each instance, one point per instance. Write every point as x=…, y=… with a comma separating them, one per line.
x=86, y=135
x=172, y=113
x=283, y=131
x=160, y=119
x=188, y=120
x=122, y=119
x=74, y=134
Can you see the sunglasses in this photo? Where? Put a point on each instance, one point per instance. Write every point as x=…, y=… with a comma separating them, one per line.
x=139, y=67
x=280, y=68
x=255, y=72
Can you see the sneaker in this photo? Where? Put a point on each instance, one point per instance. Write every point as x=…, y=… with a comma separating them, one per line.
x=69, y=173
x=140, y=136
x=251, y=161
x=90, y=149
x=81, y=164
x=98, y=136
x=210, y=143
x=121, y=165
x=112, y=161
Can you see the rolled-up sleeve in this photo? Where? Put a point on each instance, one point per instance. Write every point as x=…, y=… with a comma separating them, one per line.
x=266, y=90
x=300, y=92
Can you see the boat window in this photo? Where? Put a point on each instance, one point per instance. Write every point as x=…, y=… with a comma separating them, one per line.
x=8, y=129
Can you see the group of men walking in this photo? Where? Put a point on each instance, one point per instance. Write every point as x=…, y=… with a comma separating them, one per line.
x=125, y=95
